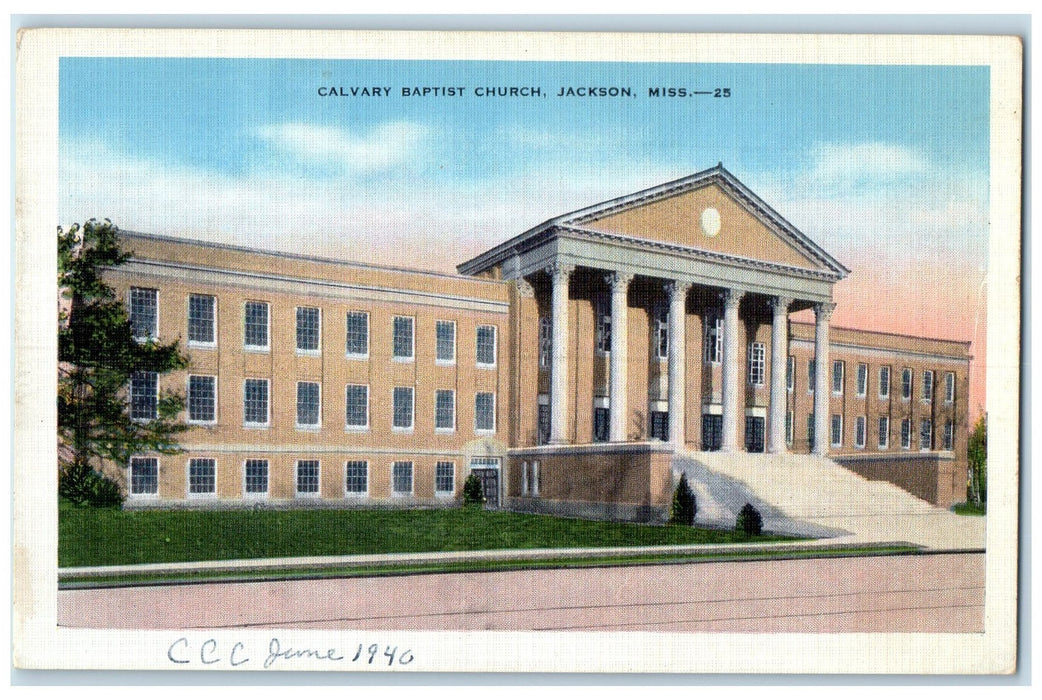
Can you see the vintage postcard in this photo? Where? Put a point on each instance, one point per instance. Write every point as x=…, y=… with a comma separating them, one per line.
x=409, y=351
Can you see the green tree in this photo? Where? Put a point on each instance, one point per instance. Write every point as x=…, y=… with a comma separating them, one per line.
x=978, y=462
x=97, y=356
x=684, y=508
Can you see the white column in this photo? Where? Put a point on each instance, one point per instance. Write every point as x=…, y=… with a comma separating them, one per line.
x=822, y=434
x=677, y=292
x=779, y=364
x=559, y=354
x=732, y=388
x=617, y=387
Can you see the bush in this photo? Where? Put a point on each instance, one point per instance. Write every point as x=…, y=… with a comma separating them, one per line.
x=684, y=508
x=749, y=520
x=473, y=494
x=83, y=486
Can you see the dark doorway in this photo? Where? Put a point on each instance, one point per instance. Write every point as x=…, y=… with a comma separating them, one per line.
x=489, y=485
x=754, y=433
x=712, y=431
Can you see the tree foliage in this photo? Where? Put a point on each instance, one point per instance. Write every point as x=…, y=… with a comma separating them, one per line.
x=473, y=494
x=978, y=462
x=97, y=354
x=684, y=508
x=749, y=520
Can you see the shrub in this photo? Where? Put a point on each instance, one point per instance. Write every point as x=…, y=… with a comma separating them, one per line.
x=83, y=486
x=473, y=495
x=749, y=520
x=684, y=507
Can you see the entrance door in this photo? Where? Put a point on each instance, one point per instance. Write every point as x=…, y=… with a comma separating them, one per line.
x=487, y=470
x=754, y=433
x=712, y=431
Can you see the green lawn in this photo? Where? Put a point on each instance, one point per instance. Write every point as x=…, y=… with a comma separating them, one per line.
x=970, y=509
x=107, y=536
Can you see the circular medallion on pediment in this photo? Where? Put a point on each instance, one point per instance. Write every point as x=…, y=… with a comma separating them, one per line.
x=710, y=222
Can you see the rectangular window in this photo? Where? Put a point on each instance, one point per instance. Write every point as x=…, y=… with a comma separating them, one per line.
x=357, y=407
x=884, y=382
x=926, y=434
x=543, y=421
x=662, y=332
x=790, y=373
x=789, y=428
x=307, y=477
x=811, y=375
x=256, y=326
x=144, y=313
x=401, y=478
x=446, y=341
x=144, y=476
x=837, y=430
x=201, y=320
x=202, y=477
x=601, y=417
x=356, y=478
x=309, y=400
x=255, y=477
x=906, y=433
x=603, y=311
x=402, y=338
x=357, y=327
x=714, y=341
x=403, y=405
x=928, y=385
x=906, y=384
x=949, y=434
x=810, y=430
x=884, y=432
x=202, y=399
x=445, y=478
x=837, y=376
x=445, y=410
x=862, y=379
x=144, y=395
x=949, y=387
x=660, y=425
x=859, y=431
x=309, y=321
x=757, y=355
x=545, y=342
x=486, y=347
x=255, y=402
x=484, y=412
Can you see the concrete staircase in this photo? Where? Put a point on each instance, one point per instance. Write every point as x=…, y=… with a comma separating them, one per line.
x=815, y=497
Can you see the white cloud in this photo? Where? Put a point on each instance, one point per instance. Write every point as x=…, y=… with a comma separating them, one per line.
x=874, y=162
x=381, y=148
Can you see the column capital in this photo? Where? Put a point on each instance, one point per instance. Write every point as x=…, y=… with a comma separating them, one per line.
x=618, y=281
x=823, y=311
x=676, y=287
x=560, y=269
x=732, y=297
x=780, y=304
x=525, y=288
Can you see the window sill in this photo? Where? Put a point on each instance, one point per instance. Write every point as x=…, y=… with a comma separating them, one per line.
x=308, y=353
x=212, y=496
x=484, y=432
x=352, y=356
x=403, y=360
x=445, y=363
x=401, y=494
x=200, y=345
x=257, y=349
x=309, y=428
x=480, y=365
x=356, y=428
x=395, y=429
x=143, y=497
x=444, y=431
x=308, y=496
x=445, y=495
x=256, y=426
x=203, y=423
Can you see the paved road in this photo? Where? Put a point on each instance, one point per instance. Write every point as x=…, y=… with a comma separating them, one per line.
x=925, y=593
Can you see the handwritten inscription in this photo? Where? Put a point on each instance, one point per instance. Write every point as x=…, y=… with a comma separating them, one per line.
x=278, y=654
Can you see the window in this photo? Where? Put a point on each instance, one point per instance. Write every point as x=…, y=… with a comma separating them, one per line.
x=884, y=382
x=445, y=478
x=486, y=351
x=789, y=427
x=810, y=430
x=308, y=328
x=859, y=431
x=144, y=395
x=357, y=327
x=661, y=338
x=811, y=376
x=906, y=433
x=255, y=477
x=928, y=385
x=543, y=424
x=949, y=434
x=308, y=404
x=202, y=399
x=445, y=410
x=837, y=376
x=926, y=434
x=255, y=402
x=660, y=425
x=862, y=379
x=446, y=341
x=403, y=404
x=545, y=342
x=307, y=477
x=906, y=384
x=524, y=478
x=357, y=407
x=790, y=373
x=144, y=476
x=603, y=325
x=837, y=430
x=202, y=477
x=401, y=478
x=949, y=387
x=533, y=483
x=530, y=478
x=601, y=417
x=201, y=317
x=356, y=478
x=255, y=328
x=484, y=412
x=757, y=354
x=714, y=343
x=884, y=432
x=402, y=338
x=144, y=313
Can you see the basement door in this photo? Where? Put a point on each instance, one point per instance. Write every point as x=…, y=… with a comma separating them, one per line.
x=487, y=470
x=754, y=433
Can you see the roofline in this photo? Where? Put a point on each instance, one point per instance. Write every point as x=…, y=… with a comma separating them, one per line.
x=964, y=343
